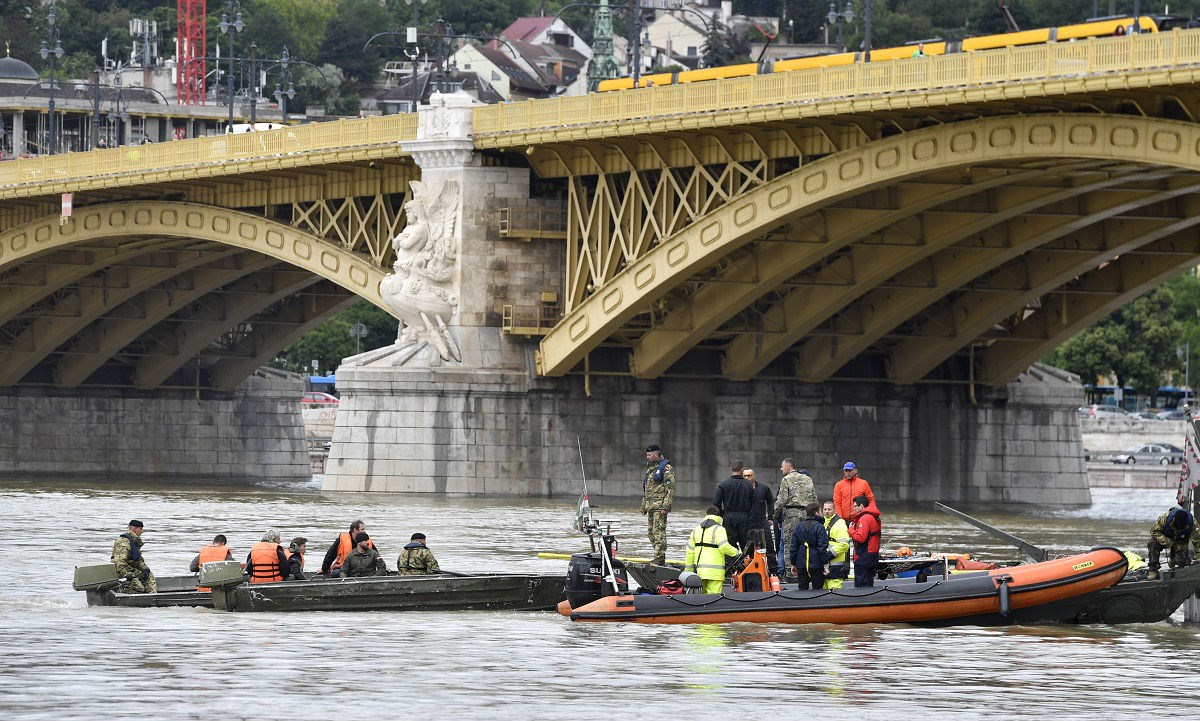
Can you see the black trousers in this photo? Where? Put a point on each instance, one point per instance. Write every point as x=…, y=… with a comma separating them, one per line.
x=811, y=578
x=864, y=569
x=737, y=526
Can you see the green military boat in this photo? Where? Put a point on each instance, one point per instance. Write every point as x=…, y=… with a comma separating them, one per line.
x=437, y=592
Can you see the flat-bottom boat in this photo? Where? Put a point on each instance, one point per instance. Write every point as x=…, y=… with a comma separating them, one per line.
x=1141, y=601
x=1052, y=591
x=101, y=585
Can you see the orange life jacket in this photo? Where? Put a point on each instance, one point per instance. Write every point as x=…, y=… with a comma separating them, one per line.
x=211, y=553
x=345, y=546
x=264, y=555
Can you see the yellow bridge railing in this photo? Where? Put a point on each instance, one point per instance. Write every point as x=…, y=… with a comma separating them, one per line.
x=1051, y=61
x=185, y=156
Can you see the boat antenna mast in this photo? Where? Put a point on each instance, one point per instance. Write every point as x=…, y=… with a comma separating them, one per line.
x=588, y=524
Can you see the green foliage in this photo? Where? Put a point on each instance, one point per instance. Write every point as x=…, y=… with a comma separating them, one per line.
x=331, y=341
x=1136, y=345
x=722, y=46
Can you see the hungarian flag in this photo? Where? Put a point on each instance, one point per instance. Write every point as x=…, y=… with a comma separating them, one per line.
x=1189, y=475
x=583, y=514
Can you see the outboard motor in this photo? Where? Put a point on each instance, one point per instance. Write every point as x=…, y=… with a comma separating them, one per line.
x=585, y=576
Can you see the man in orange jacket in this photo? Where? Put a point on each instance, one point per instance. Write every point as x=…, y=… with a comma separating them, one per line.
x=845, y=490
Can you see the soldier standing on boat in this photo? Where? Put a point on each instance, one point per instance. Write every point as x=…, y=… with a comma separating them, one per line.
x=761, y=507
x=416, y=559
x=1177, y=533
x=127, y=555
x=795, y=493
x=658, y=492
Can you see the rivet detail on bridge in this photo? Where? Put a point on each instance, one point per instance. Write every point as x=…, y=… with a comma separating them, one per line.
x=1082, y=134
x=578, y=327
x=815, y=183
x=779, y=198
x=220, y=225
x=358, y=276
x=887, y=158
x=963, y=142
x=677, y=253
x=612, y=300
x=302, y=249
x=169, y=218
x=1002, y=137
x=643, y=276
x=1167, y=142
x=91, y=221
x=330, y=261
x=194, y=220
x=247, y=231
x=19, y=242
x=1123, y=136
x=745, y=214
x=117, y=219
x=142, y=217
x=1042, y=134
x=925, y=149
x=851, y=169
x=710, y=233
x=275, y=239
x=42, y=234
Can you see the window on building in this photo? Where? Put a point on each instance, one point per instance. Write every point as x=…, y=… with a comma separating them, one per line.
x=495, y=75
x=691, y=53
x=566, y=40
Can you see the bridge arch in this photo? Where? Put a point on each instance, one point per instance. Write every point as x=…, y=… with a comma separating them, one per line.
x=1130, y=149
x=169, y=255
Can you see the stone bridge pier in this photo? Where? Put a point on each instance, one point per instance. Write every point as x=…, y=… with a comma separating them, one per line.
x=457, y=406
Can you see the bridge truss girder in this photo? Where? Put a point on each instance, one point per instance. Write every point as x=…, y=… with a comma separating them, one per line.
x=859, y=245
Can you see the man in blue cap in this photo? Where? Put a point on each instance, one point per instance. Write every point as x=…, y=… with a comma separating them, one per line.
x=849, y=488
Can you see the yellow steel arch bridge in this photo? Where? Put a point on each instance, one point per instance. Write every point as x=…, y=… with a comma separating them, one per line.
x=930, y=219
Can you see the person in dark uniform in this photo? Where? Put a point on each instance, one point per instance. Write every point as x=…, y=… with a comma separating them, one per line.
x=762, y=501
x=734, y=498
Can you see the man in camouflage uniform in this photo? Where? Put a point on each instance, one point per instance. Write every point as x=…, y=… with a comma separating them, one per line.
x=127, y=555
x=795, y=493
x=416, y=559
x=363, y=560
x=1177, y=533
x=658, y=491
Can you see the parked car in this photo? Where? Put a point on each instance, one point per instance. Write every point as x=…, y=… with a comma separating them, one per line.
x=1162, y=454
x=319, y=398
x=1148, y=415
x=1173, y=415
x=1104, y=411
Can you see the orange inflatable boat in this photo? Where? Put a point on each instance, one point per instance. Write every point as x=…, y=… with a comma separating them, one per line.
x=1052, y=591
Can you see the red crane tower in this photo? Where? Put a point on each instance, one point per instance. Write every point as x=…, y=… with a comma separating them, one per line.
x=193, y=48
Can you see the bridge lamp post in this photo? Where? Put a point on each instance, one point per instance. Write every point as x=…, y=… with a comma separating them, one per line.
x=416, y=51
x=1137, y=11
x=839, y=20
x=231, y=23
x=868, y=16
x=52, y=50
x=285, y=78
x=359, y=331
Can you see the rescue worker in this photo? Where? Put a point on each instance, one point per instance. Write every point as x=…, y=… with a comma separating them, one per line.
x=215, y=551
x=295, y=558
x=364, y=560
x=131, y=567
x=866, y=530
x=838, y=569
x=1138, y=570
x=850, y=487
x=708, y=545
x=1175, y=532
x=795, y=493
x=342, y=548
x=266, y=562
x=734, y=497
x=809, y=549
x=416, y=559
x=762, y=503
x=658, y=492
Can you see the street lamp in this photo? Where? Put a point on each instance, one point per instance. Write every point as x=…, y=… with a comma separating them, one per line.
x=231, y=23
x=839, y=20
x=359, y=331
x=412, y=40
x=868, y=15
x=285, y=77
x=52, y=50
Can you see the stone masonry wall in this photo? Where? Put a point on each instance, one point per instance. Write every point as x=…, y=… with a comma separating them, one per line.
x=256, y=433
x=490, y=432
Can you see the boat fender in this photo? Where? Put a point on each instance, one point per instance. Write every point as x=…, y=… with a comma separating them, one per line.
x=690, y=580
x=1003, y=591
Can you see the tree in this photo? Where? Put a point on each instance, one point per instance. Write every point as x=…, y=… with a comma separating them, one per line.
x=345, y=43
x=331, y=341
x=1135, y=345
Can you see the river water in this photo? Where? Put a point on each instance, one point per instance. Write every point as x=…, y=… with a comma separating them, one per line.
x=62, y=660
